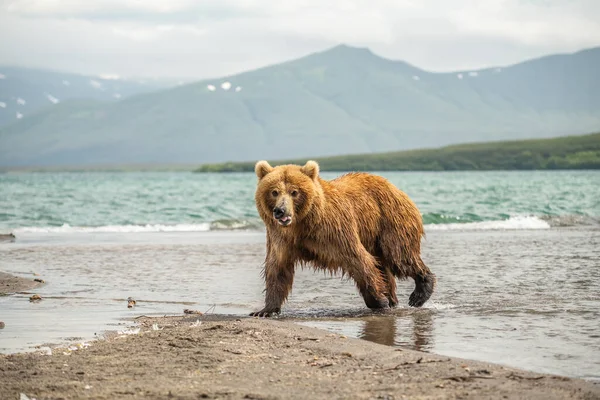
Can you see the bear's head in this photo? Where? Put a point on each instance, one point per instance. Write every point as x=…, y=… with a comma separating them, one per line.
x=286, y=194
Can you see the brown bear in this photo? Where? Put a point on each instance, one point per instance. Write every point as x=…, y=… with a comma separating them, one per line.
x=358, y=224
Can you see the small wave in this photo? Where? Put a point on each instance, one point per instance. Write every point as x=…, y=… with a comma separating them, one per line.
x=569, y=220
x=236, y=224
x=440, y=306
x=513, y=223
x=218, y=225
x=66, y=228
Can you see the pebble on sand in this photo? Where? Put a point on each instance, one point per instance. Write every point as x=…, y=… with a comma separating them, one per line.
x=130, y=302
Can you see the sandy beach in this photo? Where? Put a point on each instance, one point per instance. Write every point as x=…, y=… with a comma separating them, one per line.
x=212, y=356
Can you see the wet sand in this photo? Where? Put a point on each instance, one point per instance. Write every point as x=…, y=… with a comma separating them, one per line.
x=7, y=237
x=225, y=357
x=12, y=284
x=520, y=298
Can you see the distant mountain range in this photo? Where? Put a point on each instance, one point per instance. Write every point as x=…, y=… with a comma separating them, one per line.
x=25, y=91
x=341, y=101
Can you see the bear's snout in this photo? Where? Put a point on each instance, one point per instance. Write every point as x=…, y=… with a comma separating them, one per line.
x=281, y=215
x=278, y=212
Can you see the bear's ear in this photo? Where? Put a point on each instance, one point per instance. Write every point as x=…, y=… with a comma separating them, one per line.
x=311, y=168
x=262, y=168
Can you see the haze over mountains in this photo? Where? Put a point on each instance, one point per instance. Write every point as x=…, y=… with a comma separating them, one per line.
x=341, y=101
x=25, y=91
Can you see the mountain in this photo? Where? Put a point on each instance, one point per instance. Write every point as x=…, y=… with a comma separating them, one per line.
x=25, y=91
x=341, y=101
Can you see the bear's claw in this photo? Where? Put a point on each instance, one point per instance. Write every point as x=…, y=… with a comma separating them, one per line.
x=375, y=303
x=264, y=313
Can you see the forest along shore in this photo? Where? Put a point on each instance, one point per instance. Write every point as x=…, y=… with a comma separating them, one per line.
x=214, y=356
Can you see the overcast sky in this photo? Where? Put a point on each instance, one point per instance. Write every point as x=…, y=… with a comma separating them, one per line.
x=209, y=38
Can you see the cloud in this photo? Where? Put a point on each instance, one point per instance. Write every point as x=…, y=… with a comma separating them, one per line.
x=533, y=22
x=147, y=10
x=54, y=8
x=218, y=37
x=151, y=33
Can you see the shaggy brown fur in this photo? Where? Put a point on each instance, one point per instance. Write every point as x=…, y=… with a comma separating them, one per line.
x=359, y=224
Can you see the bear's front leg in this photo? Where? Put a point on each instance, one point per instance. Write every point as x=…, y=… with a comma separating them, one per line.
x=279, y=277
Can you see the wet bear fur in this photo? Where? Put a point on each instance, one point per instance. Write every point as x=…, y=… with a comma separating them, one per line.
x=358, y=224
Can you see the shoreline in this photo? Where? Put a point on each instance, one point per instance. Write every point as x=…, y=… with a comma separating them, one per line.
x=10, y=284
x=219, y=356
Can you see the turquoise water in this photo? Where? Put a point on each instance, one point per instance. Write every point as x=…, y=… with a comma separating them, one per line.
x=180, y=201
x=517, y=256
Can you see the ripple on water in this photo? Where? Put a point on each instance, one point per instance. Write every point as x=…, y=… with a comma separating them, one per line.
x=484, y=306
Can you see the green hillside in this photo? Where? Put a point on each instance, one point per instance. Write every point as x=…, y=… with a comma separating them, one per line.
x=341, y=101
x=570, y=152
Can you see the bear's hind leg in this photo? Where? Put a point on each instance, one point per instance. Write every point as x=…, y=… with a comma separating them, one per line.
x=424, y=287
x=406, y=262
x=390, y=281
x=372, y=302
x=369, y=280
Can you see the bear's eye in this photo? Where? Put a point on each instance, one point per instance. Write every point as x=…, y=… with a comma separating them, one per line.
x=275, y=193
x=294, y=193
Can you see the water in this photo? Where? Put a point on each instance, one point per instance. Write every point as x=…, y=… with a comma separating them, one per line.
x=517, y=257
x=176, y=201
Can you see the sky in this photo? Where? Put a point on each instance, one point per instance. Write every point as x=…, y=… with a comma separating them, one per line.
x=212, y=38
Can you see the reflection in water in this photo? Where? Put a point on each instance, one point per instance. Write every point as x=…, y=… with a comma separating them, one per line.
x=413, y=329
x=528, y=300
x=379, y=329
x=423, y=330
